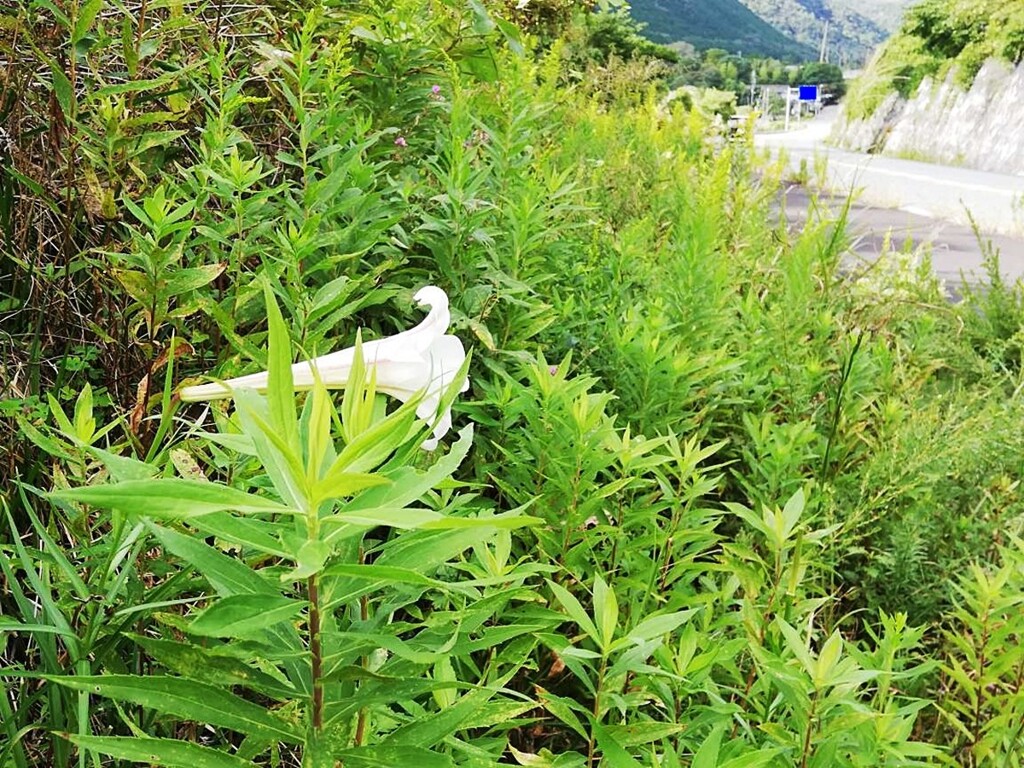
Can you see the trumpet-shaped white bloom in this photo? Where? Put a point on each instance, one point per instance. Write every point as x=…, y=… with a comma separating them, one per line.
x=422, y=359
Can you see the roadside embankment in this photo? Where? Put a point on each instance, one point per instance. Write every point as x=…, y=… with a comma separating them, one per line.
x=994, y=202
x=980, y=127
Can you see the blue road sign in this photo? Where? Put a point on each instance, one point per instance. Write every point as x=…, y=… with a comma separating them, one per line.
x=808, y=93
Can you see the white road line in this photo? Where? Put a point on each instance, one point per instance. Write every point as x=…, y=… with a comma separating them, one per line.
x=867, y=168
x=917, y=210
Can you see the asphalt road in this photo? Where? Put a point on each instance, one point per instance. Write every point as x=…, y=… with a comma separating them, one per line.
x=957, y=254
x=926, y=203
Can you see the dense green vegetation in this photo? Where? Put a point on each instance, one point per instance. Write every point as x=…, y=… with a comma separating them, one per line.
x=598, y=38
x=708, y=500
x=939, y=37
x=741, y=76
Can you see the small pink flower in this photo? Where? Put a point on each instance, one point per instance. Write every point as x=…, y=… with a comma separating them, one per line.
x=553, y=370
x=401, y=142
x=436, y=90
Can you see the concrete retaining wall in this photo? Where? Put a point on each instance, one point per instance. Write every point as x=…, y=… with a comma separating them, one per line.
x=982, y=127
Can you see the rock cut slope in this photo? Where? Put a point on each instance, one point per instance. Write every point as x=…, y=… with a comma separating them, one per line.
x=948, y=88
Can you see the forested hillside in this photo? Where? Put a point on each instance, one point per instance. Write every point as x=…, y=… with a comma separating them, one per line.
x=854, y=29
x=887, y=14
x=849, y=37
x=725, y=24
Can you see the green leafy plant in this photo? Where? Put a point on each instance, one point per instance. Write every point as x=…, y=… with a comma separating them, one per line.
x=984, y=666
x=719, y=484
x=301, y=620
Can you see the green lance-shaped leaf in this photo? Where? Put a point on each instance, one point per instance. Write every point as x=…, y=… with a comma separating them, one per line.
x=83, y=21
x=615, y=755
x=230, y=576
x=755, y=759
x=227, y=575
x=315, y=431
x=409, y=485
x=10, y=625
x=165, y=752
x=428, y=519
x=384, y=756
x=575, y=610
x=791, y=515
x=433, y=728
x=280, y=389
x=171, y=498
x=184, y=280
x=199, y=663
x=797, y=646
x=63, y=90
x=656, y=626
x=244, y=616
x=644, y=732
x=563, y=708
x=282, y=462
x=249, y=532
x=309, y=560
x=188, y=699
x=708, y=754
x=606, y=611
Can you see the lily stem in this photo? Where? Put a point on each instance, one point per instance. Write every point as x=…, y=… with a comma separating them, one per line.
x=592, y=744
x=364, y=615
x=316, y=652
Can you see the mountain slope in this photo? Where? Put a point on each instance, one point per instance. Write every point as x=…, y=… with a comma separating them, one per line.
x=724, y=24
x=887, y=14
x=790, y=29
x=851, y=36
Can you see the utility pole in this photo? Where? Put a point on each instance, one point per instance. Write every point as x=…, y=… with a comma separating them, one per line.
x=823, y=56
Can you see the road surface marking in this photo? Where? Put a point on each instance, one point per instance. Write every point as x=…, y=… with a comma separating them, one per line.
x=917, y=210
x=930, y=179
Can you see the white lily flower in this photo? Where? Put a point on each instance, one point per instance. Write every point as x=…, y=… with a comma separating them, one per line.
x=422, y=359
